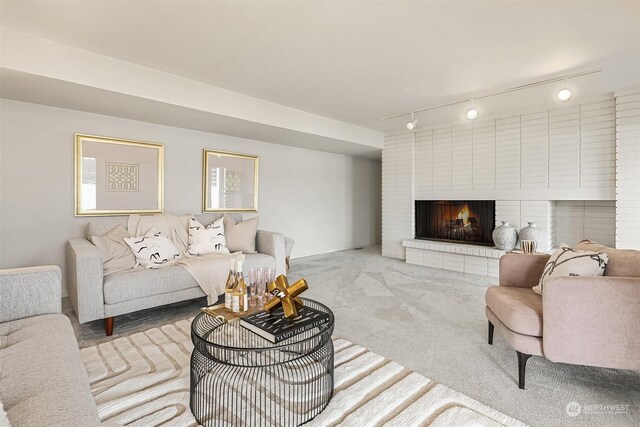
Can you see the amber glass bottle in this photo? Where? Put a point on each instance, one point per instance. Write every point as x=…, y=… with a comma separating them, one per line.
x=229, y=286
x=239, y=301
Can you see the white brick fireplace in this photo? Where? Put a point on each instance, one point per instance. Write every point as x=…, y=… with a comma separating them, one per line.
x=574, y=170
x=482, y=260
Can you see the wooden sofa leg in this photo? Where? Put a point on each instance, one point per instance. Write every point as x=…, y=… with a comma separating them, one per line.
x=490, y=333
x=286, y=260
x=108, y=326
x=522, y=364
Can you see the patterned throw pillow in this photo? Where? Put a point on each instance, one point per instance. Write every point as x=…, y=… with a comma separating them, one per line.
x=154, y=249
x=568, y=262
x=209, y=240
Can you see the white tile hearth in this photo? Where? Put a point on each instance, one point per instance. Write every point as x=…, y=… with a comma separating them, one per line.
x=473, y=259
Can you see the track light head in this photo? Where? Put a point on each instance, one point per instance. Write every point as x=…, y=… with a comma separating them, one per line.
x=564, y=94
x=411, y=125
x=472, y=114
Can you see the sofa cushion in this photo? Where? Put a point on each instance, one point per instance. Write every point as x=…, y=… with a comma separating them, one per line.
x=241, y=236
x=520, y=309
x=622, y=262
x=141, y=283
x=519, y=342
x=43, y=381
x=115, y=253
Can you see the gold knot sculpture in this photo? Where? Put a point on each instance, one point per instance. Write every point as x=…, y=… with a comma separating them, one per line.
x=286, y=295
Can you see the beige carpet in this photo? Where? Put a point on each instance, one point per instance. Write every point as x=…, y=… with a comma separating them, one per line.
x=143, y=380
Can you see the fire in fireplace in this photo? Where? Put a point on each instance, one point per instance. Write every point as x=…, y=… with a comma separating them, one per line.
x=459, y=221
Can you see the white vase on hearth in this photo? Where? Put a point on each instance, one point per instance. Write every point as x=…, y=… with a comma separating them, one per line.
x=538, y=235
x=505, y=237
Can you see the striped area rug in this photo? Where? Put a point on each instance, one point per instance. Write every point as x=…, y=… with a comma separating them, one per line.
x=143, y=380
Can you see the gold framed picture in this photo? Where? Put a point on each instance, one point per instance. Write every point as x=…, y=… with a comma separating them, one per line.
x=229, y=181
x=117, y=176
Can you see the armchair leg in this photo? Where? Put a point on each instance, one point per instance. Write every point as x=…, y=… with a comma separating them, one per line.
x=522, y=364
x=286, y=260
x=490, y=333
x=108, y=326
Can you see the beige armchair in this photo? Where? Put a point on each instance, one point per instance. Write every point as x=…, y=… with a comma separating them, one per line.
x=587, y=320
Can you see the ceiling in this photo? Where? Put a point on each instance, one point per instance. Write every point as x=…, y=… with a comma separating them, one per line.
x=353, y=61
x=39, y=90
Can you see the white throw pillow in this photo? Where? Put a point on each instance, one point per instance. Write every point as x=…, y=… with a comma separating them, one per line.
x=568, y=262
x=154, y=249
x=209, y=240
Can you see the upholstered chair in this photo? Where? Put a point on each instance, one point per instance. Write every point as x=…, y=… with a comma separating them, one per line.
x=579, y=320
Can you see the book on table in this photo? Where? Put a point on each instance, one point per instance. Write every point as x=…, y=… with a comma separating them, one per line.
x=275, y=327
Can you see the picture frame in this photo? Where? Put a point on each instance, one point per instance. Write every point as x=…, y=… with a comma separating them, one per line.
x=114, y=176
x=229, y=181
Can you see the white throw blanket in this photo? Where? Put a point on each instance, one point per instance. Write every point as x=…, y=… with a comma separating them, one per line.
x=210, y=271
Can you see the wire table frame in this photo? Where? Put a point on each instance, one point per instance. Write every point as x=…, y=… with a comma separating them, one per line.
x=240, y=378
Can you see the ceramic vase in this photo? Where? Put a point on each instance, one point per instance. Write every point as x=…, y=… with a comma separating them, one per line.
x=538, y=235
x=505, y=236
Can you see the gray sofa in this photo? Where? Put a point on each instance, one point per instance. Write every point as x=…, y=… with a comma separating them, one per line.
x=96, y=297
x=43, y=381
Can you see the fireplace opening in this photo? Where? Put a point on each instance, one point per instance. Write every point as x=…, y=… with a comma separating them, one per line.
x=459, y=221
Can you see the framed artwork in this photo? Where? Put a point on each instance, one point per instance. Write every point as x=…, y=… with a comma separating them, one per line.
x=229, y=181
x=117, y=176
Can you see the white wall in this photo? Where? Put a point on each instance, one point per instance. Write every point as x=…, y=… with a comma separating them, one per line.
x=591, y=219
x=397, y=193
x=628, y=168
x=324, y=201
x=555, y=154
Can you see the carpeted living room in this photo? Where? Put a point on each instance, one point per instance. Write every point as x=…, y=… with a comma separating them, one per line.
x=354, y=213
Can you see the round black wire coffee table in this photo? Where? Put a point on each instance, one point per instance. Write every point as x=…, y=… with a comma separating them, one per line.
x=240, y=378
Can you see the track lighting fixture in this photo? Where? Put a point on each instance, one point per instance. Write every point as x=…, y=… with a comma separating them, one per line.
x=563, y=95
x=411, y=125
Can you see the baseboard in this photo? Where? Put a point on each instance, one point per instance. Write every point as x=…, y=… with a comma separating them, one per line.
x=334, y=250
